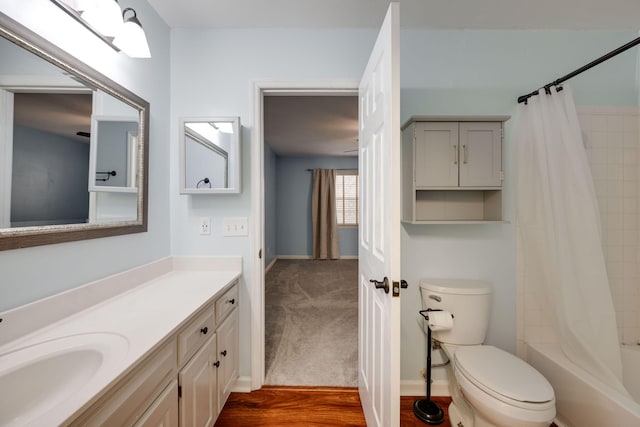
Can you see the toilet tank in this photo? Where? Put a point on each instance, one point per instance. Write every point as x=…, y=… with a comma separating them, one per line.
x=469, y=302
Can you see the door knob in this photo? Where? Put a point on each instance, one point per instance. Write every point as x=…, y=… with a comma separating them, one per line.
x=381, y=285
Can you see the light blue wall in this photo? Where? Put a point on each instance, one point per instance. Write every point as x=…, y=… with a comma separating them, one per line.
x=483, y=72
x=213, y=74
x=293, y=212
x=33, y=273
x=442, y=72
x=270, y=201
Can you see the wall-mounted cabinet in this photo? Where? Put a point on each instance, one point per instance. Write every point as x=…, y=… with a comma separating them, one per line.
x=452, y=169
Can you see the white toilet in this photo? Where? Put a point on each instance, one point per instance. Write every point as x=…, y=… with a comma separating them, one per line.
x=489, y=386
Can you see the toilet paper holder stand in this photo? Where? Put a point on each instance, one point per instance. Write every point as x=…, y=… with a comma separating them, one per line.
x=427, y=410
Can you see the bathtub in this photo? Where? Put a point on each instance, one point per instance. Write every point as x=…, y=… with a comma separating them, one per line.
x=581, y=399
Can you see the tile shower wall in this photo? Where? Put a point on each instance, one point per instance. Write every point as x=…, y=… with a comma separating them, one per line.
x=611, y=141
x=611, y=138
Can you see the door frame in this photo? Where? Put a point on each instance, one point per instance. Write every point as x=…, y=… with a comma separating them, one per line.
x=260, y=89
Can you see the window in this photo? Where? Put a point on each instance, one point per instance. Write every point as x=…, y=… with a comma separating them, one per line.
x=347, y=203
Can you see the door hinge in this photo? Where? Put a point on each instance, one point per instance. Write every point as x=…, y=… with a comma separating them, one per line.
x=501, y=175
x=501, y=132
x=179, y=392
x=260, y=254
x=397, y=286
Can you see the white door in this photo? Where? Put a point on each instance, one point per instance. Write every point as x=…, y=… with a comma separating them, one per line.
x=379, y=252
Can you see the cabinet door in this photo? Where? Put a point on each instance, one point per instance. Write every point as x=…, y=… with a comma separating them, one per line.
x=436, y=154
x=198, y=404
x=480, y=154
x=164, y=411
x=228, y=356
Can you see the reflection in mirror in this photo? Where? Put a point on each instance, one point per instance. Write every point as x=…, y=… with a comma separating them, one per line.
x=210, y=155
x=114, y=148
x=59, y=121
x=50, y=160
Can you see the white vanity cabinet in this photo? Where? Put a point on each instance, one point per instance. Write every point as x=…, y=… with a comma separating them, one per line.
x=452, y=169
x=227, y=340
x=199, y=386
x=186, y=382
x=164, y=411
x=135, y=395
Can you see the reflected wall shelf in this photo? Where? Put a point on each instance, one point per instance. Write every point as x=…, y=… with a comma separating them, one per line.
x=452, y=169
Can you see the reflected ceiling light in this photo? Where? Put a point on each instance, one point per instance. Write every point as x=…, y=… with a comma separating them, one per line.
x=224, y=127
x=105, y=19
x=131, y=39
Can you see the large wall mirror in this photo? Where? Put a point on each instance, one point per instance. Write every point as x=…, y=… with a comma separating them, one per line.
x=73, y=147
x=210, y=155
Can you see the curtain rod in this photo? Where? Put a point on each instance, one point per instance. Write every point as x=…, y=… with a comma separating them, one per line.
x=547, y=87
x=350, y=169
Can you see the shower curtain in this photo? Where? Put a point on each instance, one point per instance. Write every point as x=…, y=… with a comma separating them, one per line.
x=323, y=215
x=558, y=224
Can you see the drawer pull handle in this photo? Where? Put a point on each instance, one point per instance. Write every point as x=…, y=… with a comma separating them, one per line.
x=232, y=301
x=204, y=330
x=217, y=364
x=224, y=353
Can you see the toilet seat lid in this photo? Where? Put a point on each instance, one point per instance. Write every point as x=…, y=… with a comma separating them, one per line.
x=495, y=370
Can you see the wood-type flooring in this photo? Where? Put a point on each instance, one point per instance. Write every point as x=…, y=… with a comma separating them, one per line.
x=274, y=406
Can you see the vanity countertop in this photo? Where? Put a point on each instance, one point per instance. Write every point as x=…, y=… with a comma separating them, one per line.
x=144, y=315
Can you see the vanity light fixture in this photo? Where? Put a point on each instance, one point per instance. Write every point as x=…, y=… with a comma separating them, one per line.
x=104, y=16
x=105, y=19
x=131, y=39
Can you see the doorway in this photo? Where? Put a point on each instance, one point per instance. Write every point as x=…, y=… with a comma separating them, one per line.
x=311, y=306
x=264, y=242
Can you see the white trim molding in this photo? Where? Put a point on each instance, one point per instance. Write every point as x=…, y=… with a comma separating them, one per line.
x=419, y=388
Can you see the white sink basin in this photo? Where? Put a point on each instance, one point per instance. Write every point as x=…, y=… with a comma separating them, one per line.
x=38, y=379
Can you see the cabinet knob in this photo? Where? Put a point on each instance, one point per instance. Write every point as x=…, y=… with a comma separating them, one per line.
x=224, y=353
x=217, y=364
x=204, y=330
x=232, y=301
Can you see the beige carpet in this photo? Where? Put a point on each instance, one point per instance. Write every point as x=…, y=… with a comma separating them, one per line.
x=311, y=323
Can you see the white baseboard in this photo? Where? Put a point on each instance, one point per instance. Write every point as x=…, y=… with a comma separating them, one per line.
x=242, y=385
x=310, y=257
x=271, y=264
x=418, y=388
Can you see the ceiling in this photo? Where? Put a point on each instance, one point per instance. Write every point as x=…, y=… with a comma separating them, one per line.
x=62, y=114
x=437, y=14
x=305, y=126
x=311, y=125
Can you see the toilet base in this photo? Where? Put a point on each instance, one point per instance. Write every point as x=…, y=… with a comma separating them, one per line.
x=458, y=418
x=428, y=411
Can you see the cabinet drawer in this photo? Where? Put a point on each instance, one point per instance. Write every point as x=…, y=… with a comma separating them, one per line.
x=226, y=303
x=130, y=399
x=194, y=335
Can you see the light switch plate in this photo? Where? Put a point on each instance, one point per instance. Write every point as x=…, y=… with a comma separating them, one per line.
x=235, y=227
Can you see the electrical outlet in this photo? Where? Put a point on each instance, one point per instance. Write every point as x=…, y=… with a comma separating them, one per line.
x=423, y=373
x=205, y=225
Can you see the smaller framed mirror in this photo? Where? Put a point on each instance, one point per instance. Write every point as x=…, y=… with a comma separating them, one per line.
x=210, y=155
x=113, y=152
